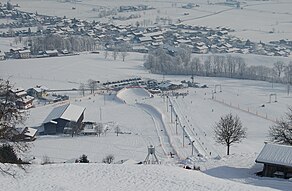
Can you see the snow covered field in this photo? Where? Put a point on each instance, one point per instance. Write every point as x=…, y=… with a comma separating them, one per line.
x=147, y=121
x=121, y=177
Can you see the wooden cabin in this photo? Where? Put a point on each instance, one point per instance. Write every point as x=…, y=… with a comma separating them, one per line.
x=277, y=160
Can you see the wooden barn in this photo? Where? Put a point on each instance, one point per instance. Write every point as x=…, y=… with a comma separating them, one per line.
x=277, y=160
x=63, y=119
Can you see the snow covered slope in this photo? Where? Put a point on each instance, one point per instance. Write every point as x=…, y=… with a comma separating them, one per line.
x=92, y=177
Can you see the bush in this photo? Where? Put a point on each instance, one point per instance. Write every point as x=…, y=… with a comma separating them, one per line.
x=83, y=159
x=8, y=155
x=46, y=160
x=108, y=159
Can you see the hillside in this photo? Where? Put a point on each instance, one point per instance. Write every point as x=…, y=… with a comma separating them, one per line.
x=77, y=177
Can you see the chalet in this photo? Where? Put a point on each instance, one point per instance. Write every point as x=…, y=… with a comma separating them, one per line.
x=62, y=119
x=277, y=160
x=37, y=92
x=24, y=102
x=22, y=54
x=17, y=92
x=52, y=53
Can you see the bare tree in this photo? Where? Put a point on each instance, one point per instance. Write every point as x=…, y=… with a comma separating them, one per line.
x=288, y=72
x=115, y=53
x=99, y=129
x=229, y=130
x=82, y=89
x=108, y=159
x=123, y=49
x=124, y=54
x=105, y=54
x=92, y=84
x=75, y=128
x=279, y=67
x=117, y=130
x=46, y=160
x=281, y=131
x=10, y=117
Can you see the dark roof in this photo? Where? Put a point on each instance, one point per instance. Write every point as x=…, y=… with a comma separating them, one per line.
x=56, y=113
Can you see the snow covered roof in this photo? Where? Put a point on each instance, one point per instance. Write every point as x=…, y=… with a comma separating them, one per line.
x=15, y=90
x=30, y=132
x=276, y=154
x=68, y=112
x=51, y=51
x=26, y=99
x=72, y=113
x=24, y=51
x=145, y=39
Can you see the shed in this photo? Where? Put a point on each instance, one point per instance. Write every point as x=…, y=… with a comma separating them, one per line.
x=62, y=118
x=277, y=160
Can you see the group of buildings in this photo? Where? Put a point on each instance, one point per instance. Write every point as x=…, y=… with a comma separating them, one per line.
x=199, y=39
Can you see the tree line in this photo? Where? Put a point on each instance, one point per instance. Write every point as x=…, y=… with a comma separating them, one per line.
x=180, y=62
x=73, y=43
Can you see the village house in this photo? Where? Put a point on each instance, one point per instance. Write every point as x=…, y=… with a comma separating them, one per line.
x=38, y=92
x=63, y=119
x=23, y=101
x=277, y=160
x=20, y=53
x=26, y=133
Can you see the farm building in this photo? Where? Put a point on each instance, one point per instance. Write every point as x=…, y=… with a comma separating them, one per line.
x=63, y=119
x=277, y=160
x=26, y=133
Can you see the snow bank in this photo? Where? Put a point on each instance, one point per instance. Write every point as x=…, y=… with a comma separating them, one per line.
x=132, y=95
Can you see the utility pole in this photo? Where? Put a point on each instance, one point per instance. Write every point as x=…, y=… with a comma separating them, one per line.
x=176, y=124
x=171, y=112
x=192, y=147
x=166, y=103
x=183, y=136
x=100, y=114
